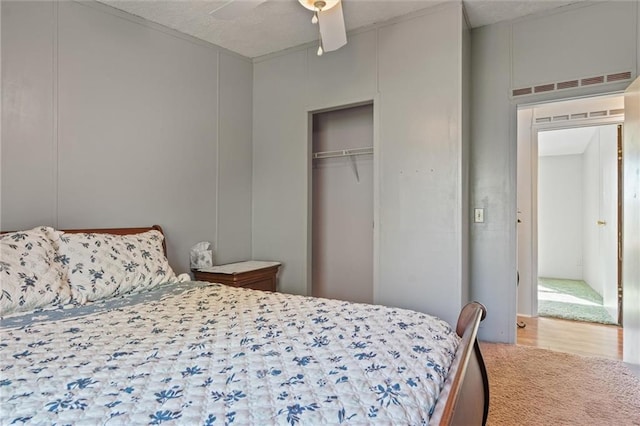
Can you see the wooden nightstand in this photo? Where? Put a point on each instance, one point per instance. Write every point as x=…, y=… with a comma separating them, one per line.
x=252, y=274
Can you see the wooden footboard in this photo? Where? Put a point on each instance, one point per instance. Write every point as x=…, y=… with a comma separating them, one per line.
x=464, y=399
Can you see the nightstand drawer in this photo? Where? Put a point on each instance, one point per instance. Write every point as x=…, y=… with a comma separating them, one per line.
x=268, y=284
x=250, y=274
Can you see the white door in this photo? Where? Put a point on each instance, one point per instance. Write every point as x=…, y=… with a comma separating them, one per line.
x=608, y=220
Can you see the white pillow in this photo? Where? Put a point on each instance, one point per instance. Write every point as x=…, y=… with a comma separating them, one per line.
x=100, y=266
x=30, y=275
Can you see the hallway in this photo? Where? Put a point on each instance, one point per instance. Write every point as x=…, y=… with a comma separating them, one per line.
x=572, y=336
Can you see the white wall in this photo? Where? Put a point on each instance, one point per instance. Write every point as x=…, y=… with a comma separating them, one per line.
x=560, y=216
x=109, y=121
x=592, y=269
x=418, y=124
x=517, y=52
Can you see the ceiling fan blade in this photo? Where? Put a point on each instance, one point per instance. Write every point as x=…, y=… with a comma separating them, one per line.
x=332, y=29
x=233, y=9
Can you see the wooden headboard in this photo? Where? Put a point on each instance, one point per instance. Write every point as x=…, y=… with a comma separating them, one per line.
x=116, y=231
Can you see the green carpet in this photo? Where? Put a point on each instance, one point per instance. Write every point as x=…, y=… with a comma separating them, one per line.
x=571, y=299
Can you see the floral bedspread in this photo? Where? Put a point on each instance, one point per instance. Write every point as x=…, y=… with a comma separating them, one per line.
x=203, y=354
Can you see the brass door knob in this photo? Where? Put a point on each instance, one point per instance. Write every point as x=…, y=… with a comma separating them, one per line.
x=602, y=222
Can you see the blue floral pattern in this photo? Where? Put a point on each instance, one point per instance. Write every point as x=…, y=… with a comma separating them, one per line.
x=208, y=354
x=100, y=266
x=29, y=276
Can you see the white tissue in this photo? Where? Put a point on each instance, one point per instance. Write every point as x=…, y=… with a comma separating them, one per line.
x=201, y=246
x=183, y=278
x=200, y=255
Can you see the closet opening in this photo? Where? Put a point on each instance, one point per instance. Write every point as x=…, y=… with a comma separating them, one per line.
x=342, y=213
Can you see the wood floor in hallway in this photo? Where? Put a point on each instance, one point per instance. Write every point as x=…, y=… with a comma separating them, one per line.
x=571, y=336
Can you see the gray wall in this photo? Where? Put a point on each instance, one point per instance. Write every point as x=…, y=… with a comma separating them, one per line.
x=235, y=159
x=502, y=54
x=631, y=268
x=418, y=136
x=109, y=121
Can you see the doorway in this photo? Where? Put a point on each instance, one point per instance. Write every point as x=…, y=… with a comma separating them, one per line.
x=535, y=124
x=578, y=218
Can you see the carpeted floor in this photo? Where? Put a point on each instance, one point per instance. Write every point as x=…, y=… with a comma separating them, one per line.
x=531, y=386
x=571, y=299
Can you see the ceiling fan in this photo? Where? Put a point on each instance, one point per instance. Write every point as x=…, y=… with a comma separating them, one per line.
x=326, y=13
x=329, y=17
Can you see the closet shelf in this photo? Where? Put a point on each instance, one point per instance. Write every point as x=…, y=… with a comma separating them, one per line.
x=343, y=153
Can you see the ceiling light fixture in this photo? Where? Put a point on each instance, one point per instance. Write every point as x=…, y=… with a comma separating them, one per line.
x=319, y=6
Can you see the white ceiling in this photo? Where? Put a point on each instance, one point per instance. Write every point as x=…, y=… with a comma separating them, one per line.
x=565, y=141
x=279, y=24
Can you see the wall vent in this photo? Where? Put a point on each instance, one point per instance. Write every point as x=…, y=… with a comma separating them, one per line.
x=592, y=80
x=523, y=91
x=544, y=88
x=570, y=84
x=580, y=116
x=619, y=76
x=567, y=84
x=598, y=114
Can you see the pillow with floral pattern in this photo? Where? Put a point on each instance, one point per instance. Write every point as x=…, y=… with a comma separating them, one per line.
x=30, y=278
x=100, y=266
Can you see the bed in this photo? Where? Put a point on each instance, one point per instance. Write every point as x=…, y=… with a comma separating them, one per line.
x=182, y=352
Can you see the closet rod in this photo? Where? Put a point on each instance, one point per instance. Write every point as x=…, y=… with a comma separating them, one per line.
x=343, y=153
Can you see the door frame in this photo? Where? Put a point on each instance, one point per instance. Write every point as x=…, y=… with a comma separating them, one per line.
x=535, y=129
x=620, y=230
x=321, y=107
x=312, y=191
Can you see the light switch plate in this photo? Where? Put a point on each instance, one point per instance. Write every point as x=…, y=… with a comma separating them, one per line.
x=478, y=215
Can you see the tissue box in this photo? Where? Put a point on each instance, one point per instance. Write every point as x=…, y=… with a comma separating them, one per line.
x=200, y=256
